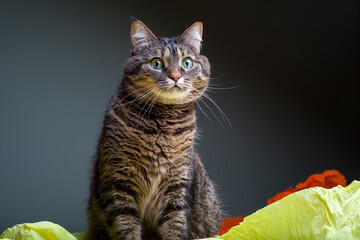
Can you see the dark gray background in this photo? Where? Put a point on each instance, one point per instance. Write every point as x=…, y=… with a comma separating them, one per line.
x=295, y=114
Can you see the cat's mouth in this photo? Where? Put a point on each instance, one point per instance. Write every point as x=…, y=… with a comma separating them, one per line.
x=176, y=88
x=173, y=92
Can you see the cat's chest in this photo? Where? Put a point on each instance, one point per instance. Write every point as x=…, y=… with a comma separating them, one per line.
x=155, y=190
x=152, y=200
x=169, y=148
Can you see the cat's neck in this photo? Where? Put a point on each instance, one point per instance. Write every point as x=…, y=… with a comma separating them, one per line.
x=157, y=119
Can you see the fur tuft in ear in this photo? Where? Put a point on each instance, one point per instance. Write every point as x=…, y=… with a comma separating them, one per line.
x=193, y=35
x=141, y=36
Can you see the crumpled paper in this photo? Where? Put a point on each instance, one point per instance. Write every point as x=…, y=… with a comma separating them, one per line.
x=37, y=231
x=327, y=179
x=314, y=213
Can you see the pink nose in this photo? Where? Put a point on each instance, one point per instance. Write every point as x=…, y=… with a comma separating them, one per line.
x=174, y=74
x=175, y=77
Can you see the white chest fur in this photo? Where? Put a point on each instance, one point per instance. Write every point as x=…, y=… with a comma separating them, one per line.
x=151, y=201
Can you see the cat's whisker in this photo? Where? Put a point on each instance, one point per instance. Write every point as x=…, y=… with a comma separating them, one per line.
x=125, y=89
x=215, y=78
x=223, y=115
x=204, y=112
x=144, y=105
x=213, y=113
x=211, y=91
x=140, y=100
x=224, y=88
x=225, y=118
x=131, y=102
x=118, y=104
x=150, y=99
x=154, y=102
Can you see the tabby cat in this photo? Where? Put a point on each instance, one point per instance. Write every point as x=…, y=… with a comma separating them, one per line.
x=147, y=181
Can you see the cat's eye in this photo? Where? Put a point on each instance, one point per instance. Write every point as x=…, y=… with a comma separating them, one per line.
x=187, y=63
x=157, y=64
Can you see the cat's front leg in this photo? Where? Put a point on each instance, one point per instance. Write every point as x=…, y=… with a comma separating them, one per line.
x=124, y=224
x=173, y=222
x=120, y=210
x=172, y=225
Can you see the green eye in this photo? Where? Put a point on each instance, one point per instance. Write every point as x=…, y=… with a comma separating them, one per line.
x=157, y=64
x=187, y=63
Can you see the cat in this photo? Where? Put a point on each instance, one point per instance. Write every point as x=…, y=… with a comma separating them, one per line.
x=148, y=181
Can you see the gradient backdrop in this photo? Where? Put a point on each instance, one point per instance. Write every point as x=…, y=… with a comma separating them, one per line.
x=295, y=114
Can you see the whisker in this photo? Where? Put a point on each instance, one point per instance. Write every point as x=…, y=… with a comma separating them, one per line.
x=225, y=88
x=212, y=112
x=210, y=109
x=154, y=102
x=150, y=99
x=223, y=115
x=119, y=104
x=141, y=98
x=211, y=91
x=225, y=118
x=215, y=78
x=127, y=88
x=204, y=112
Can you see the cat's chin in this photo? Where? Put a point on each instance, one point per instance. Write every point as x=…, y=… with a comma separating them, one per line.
x=174, y=96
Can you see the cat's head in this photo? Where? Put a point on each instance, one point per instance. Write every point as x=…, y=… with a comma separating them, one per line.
x=166, y=70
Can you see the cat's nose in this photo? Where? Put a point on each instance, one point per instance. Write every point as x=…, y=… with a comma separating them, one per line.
x=174, y=75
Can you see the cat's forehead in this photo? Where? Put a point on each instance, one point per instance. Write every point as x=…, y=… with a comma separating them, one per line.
x=174, y=47
x=167, y=48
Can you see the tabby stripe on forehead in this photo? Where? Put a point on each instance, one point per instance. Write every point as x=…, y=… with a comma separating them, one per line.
x=179, y=51
x=167, y=52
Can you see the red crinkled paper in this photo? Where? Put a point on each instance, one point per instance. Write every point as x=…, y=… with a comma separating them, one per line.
x=228, y=223
x=327, y=179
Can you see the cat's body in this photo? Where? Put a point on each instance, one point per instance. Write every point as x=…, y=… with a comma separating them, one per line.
x=148, y=181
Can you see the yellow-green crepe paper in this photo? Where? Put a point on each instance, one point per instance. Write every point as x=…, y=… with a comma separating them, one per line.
x=314, y=213
x=37, y=231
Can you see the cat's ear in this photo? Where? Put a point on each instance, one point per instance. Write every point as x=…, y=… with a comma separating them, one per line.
x=141, y=36
x=193, y=35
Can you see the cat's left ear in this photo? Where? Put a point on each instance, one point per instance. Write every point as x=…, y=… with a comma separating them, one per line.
x=193, y=35
x=141, y=36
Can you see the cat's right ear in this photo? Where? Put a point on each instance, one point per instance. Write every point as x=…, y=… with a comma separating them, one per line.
x=141, y=36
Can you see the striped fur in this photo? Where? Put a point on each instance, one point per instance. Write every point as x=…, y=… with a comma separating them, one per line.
x=147, y=180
